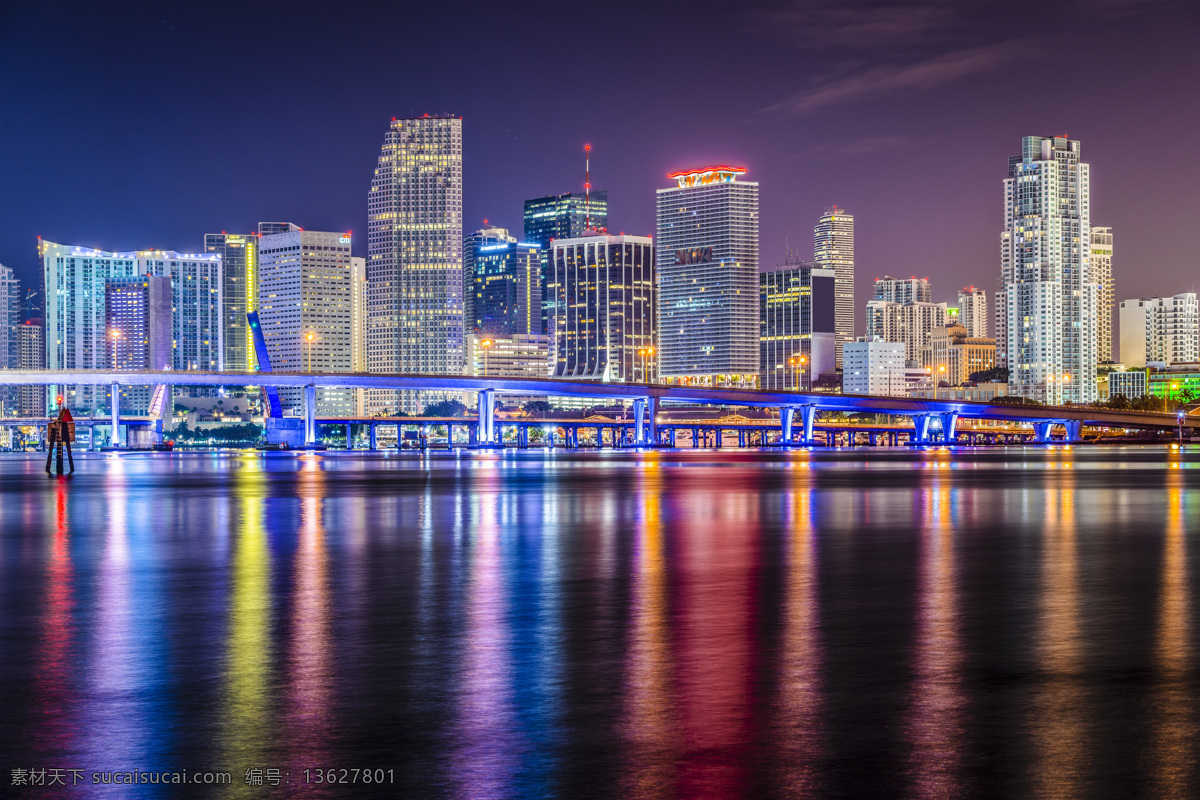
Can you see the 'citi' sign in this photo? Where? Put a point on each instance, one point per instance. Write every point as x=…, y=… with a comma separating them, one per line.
x=697, y=255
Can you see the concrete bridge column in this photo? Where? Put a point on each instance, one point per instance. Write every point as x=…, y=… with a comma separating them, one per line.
x=487, y=416
x=949, y=422
x=741, y=437
x=671, y=437
x=1041, y=431
x=310, y=414
x=639, y=421
x=349, y=437
x=871, y=438
x=371, y=436
x=808, y=416
x=652, y=421
x=921, y=425
x=1074, y=430
x=786, y=414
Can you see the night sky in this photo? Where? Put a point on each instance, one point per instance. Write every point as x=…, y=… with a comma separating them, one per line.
x=148, y=125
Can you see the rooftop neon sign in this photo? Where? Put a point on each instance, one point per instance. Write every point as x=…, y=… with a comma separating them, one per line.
x=707, y=175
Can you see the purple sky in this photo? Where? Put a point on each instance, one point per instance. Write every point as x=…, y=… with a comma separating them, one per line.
x=148, y=125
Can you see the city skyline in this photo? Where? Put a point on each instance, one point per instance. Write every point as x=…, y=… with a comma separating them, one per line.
x=871, y=156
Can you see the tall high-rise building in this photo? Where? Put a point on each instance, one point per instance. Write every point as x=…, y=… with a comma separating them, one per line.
x=833, y=248
x=76, y=280
x=474, y=240
x=239, y=254
x=796, y=324
x=910, y=324
x=414, y=257
x=31, y=355
x=972, y=311
x=1046, y=305
x=707, y=261
x=507, y=290
x=902, y=290
x=305, y=297
x=605, y=287
x=138, y=321
x=1102, y=276
x=561, y=216
x=1160, y=329
x=358, y=327
x=10, y=315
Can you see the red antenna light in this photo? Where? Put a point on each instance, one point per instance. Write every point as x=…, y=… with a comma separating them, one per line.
x=587, y=186
x=485, y=220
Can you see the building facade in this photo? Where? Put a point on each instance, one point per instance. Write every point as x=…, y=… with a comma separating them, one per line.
x=506, y=289
x=31, y=355
x=954, y=354
x=138, y=321
x=514, y=356
x=605, y=321
x=797, y=325
x=902, y=290
x=833, y=248
x=75, y=324
x=305, y=297
x=561, y=216
x=910, y=324
x=1162, y=330
x=973, y=311
x=484, y=237
x=1130, y=383
x=239, y=255
x=1102, y=275
x=358, y=327
x=10, y=316
x=873, y=366
x=707, y=269
x=414, y=258
x=1047, y=301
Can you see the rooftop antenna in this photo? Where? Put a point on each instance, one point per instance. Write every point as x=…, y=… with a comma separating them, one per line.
x=587, y=186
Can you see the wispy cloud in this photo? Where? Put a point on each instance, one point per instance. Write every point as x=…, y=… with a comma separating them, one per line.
x=899, y=79
x=857, y=24
x=866, y=145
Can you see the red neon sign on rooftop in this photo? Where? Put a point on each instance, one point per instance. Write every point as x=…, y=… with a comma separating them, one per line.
x=705, y=175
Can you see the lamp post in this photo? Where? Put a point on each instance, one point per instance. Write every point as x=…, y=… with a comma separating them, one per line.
x=115, y=334
x=486, y=344
x=793, y=361
x=647, y=354
x=309, y=338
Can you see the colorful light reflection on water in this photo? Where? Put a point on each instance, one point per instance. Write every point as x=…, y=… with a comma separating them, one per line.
x=1002, y=623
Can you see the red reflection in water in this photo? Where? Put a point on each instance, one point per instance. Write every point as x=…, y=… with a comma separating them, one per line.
x=718, y=541
x=935, y=725
x=800, y=724
x=309, y=660
x=52, y=676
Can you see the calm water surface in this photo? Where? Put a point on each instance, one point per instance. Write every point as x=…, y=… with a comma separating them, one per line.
x=989, y=623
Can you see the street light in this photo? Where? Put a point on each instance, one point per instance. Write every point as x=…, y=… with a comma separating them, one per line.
x=115, y=334
x=310, y=337
x=647, y=353
x=486, y=344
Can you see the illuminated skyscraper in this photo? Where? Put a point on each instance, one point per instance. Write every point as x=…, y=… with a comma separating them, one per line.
x=972, y=311
x=76, y=279
x=414, y=261
x=902, y=290
x=796, y=342
x=239, y=254
x=305, y=311
x=137, y=313
x=1160, y=329
x=707, y=271
x=507, y=289
x=833, y=248
x=1102, y=275
x=483, y=237
x=1046, y=306
x=561, y=216
x=31, y=355
x=605, y=288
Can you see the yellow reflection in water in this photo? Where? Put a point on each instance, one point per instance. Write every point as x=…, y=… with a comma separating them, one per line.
x=935, y=728
x=248, y=710
x=650, y=727
x=1175, y=742
x=800, y=701
x=310, y=657
x=1059, y=737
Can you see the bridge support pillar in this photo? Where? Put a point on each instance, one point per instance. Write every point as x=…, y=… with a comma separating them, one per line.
x=487, y=417
x=310, y=414
x=1074, y=430
x=652, y=420
x=871, y=438
x=921, y=423
x=808, y=417
x=639, y=421
x=349, y=437
x=741, y=437
x=949, y=421
x=786, y=415
x=116, y=415
x=1041, y=431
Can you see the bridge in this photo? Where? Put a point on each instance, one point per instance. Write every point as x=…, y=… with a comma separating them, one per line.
x=797, y=410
